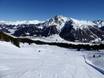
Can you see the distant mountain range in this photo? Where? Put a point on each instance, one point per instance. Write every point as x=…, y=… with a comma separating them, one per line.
x=67, y=28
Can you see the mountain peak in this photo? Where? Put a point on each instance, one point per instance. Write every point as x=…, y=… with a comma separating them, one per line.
x=57, y=20
x=60, y=21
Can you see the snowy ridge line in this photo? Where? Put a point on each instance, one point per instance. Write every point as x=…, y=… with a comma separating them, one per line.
x=92, y=65
x=67, y=28
x=64, y=42
x=67, y=42
x=82, y=23
x=65, y=45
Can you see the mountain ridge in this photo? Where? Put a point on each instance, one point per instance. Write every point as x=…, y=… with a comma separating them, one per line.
x=67, y=28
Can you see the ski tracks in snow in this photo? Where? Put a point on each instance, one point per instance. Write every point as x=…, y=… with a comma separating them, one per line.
x=51, y=62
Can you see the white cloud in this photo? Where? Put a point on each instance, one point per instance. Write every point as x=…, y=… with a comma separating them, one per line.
x=21, y=22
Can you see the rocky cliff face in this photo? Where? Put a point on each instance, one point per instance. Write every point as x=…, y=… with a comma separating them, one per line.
x=83, y=33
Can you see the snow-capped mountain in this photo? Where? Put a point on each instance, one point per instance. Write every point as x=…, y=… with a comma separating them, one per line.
x=47, y=28
x=68, y=28
x=59, y=21
x=81, y=24
x=81, y=31
x=99, y=23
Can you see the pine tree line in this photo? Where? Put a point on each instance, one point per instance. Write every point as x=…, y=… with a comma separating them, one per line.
x=8, y=38
x=17, y=41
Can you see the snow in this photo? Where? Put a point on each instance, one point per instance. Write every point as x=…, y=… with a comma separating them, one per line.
x=12, y=31
x=81, y=23
x=99, y=23
x=97, y=40
x=43, y=61
x=56, y=39
x=96, y=58
x=53, y=38
x=103, y=23
x=77, y=24
x=61, y=20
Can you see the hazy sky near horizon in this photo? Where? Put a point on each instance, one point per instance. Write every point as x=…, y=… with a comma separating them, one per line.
x=44, y=9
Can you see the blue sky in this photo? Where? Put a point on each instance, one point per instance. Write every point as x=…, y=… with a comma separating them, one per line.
x=44, y=9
